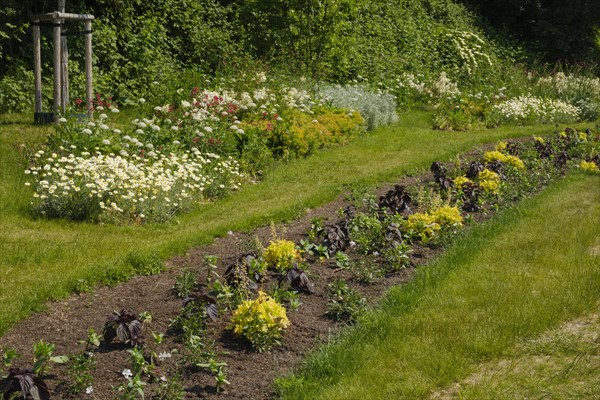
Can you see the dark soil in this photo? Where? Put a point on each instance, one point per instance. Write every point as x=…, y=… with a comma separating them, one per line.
x=251, y=374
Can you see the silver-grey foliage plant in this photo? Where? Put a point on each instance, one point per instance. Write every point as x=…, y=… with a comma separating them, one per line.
x=378, y=107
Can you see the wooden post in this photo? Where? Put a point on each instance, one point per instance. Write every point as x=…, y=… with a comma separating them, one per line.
x=37, y=67
x=64, y=67
x=56, y=61
x=87, y=26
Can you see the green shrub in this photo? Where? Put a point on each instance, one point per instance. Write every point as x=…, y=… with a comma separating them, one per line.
x=344, y=303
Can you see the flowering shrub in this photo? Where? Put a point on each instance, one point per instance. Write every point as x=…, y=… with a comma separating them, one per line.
x=467, y=50
x=464, y=111
x=281, y=254
x=377, y=108
x=582, y=91
x=115, y=188
x=529, y=109
x=261, y=321
x=171, y=158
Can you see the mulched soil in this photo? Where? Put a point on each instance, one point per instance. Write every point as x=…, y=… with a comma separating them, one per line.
x=65, y=323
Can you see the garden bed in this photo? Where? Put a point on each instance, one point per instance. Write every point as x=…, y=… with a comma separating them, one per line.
x=249, y=372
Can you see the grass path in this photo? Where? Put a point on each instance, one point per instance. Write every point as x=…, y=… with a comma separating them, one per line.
x=563, y=363
x=42, y=260
x=511, y=279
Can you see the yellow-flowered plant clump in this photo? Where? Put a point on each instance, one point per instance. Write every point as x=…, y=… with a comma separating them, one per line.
x=261, y=321
x=513, y=161
x=426, y=225
x=489, y=181
x=589, y=166
x=501, y=146
x=460, y=181
x=281, y=254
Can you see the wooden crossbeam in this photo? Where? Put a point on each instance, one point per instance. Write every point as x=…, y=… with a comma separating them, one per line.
x=56, y=15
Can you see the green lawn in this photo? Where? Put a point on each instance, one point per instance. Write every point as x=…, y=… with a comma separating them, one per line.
x=42, y=260
x=509, y=280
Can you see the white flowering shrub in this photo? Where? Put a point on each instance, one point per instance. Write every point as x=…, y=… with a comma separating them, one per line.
x=378, y=108
x=526, y=110
x=581, y=91
x=128, y=189
x=466, y=51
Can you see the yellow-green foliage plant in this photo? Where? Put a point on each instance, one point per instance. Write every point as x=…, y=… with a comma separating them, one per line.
x=425, y=226
x=281, y=254
x=304, y=133
x=589, y=166
x=261, y=321
x=496, y=155
x=448, y=217
x=489, y=181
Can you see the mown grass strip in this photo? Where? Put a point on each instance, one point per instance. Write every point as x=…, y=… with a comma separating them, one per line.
x=42, y=260
x=514, y=277
x=563, y=363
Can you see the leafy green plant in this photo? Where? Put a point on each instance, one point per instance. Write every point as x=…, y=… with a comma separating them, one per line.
x=366, y=232
x=80, y=370
x=344, y=303
x=139, y=364
x=366, y=271
x=342, y=260
x=262, y=321
x=42, y=355
x=285, y=295
x=170, y=388
x=191, y=320
x=184, y=283
x=132, y=388
x=217, y=368
x=9, y=356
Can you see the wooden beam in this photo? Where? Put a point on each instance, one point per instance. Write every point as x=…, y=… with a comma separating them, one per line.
x=37, y=67
x=57, y=74
x=88, y=68
x=64, y=64
x=61, y=15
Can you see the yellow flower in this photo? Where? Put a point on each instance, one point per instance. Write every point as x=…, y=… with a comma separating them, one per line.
x=539, y=139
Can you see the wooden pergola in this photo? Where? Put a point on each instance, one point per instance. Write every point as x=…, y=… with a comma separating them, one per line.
x=60, y=60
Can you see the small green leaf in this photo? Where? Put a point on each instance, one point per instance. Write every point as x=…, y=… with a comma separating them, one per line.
x=59, y=359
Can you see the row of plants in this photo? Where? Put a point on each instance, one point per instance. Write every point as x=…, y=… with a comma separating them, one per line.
x=202, y=145
x=521, y=100
x=371, y=240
